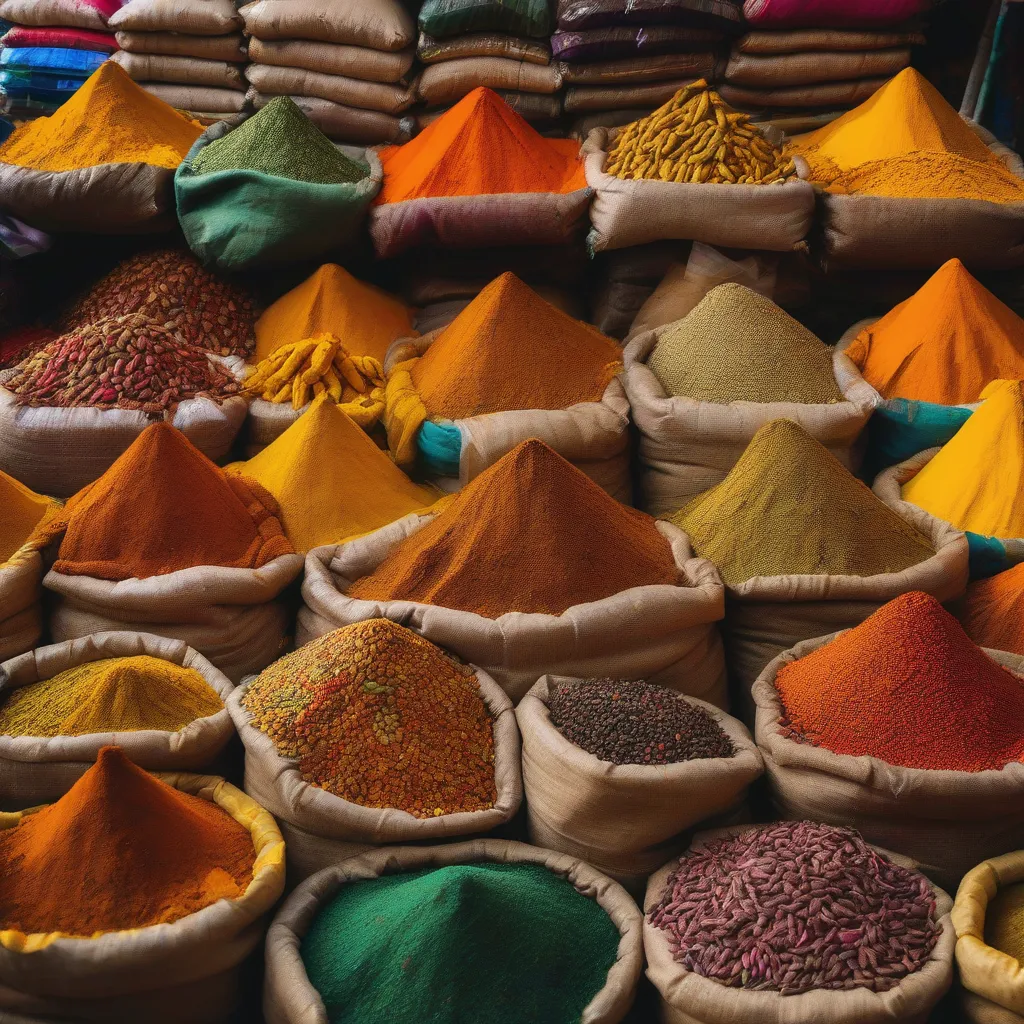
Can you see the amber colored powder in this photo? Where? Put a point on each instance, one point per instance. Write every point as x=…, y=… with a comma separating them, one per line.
x=479, y=147
x=906, y=686
x=110, y=120
x=1004, y=921
x=331, y=301
x=944, y=344
x=21, y=511
x=992, y=612
x=509, y=349
x=790, y=508
x=120, y=850
x=164, y=506
x=530, y=534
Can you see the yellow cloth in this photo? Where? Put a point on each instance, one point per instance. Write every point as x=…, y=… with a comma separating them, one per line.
x=21, y=511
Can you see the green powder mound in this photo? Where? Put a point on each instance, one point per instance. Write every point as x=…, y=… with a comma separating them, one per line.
x=789, y=507
x=738, y=346
x=280, y=140
x=460, y=945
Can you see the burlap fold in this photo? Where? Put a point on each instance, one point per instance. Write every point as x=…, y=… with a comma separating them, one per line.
x=21, y=612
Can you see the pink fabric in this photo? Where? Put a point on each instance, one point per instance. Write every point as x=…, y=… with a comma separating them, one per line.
x=831, y=13
x=64, y=38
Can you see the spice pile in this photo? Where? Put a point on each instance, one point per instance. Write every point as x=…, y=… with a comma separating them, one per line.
x=21, y=511
x=110, y=695
x=123, y=362
x=900, y=687
x=530, y=534
x=790, y=508
x=992, y=613
x=636, y=723
x=1004, y=921
x=697, y=137
x=376, y=715
x=851, y=918
x=383, y=949
x=738, y=346
x=120, y=850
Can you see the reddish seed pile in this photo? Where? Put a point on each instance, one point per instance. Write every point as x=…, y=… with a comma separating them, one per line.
x=909, y=687
x=795, y=906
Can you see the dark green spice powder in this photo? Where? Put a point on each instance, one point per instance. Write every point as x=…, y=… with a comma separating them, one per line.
x=282, y=141
x=460, y=945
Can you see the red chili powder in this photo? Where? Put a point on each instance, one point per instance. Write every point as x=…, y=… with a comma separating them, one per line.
x=909, y=687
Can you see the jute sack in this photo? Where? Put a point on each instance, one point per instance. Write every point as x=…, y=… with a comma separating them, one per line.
x=344, y=123
x=21, y=611
x=65, y=13
x=688, y=998
x=377, y=24
x=947, y=821
x=450, y=80
x=59, y=451
x=993, y=983
x=289, y=998
x=188, y=17
x=593, y=436
x=328, y=828
x=883, y=232
x=433, y=50
x=236, y=618
x=667, y=635
x=227, y=48
x=354, y=92
x=35, y=770
x=150, y=974
x=770, y=614
x=775, y=71
x=626, y=213
x=830, y=39
x=830, y=95
x=333, y=58
x=581, y=99
x=638, y=69
x=688, y=446
x=626, y=820
x=196, y=98
x=534, y=107
x=154, y=67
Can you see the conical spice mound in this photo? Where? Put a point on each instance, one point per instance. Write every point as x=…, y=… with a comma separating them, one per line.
x=21, y=511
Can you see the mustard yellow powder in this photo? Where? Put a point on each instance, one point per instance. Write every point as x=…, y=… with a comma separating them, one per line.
x=1004, y=921
x=21, y=511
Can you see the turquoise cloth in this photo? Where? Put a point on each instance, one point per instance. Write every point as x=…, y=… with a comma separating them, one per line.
x=900, y=428
x=440, y=447
x=987, y=555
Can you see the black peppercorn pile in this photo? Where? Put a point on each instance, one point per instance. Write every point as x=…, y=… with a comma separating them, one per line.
x=636, y=723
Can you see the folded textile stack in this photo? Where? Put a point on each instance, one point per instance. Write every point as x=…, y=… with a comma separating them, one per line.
x=50, y=49
x=345, y=64
x=500, y=44
x=803, y=55
x=190, y=53
x=620, y=59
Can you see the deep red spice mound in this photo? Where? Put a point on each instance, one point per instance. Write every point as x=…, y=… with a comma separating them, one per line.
x=909, y=687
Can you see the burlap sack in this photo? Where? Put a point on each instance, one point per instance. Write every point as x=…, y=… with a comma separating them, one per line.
x=189, y=17
x=229, y=48
x=770, y=614
x=639, y=69
x=197, y=97
x=21, y=612
x=625, y=820
x=482, y=44
x=328, y=826
x=64, y=13
x=333, y=59
x=354, y=92
x=775, y=71
x=993, y=983
x=346, y=124
x=583, y=98
x=377, y=24
x=665, y=634
x=534, y=107
x=626, y=213
x=59, y=451
x=450, y=80
x=947, y=821
x=289, y=998
x=151, y=67
x=688, y=446
x=36, y=770
x=884, y=232
x=236, y=618
x=688, y=998
x=831, y=39
x=167, y=973
x=821, y=95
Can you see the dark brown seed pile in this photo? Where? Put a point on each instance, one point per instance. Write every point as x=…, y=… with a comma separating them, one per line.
x=127, y=362
x=173, y=288
x=795, y=906
x=636, y=723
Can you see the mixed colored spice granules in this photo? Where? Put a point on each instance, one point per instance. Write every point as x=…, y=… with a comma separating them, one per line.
x=377, y=715
x=903, y=686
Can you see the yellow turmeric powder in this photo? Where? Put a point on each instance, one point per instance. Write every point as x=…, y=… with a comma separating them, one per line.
x=21, y=511
x=110, y=120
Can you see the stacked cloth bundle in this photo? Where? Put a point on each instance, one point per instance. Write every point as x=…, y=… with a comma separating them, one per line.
x=494, y=43
x=802, y=55
x=621, y=58
x=49, y=50
x=346, y=65
x=188, y=52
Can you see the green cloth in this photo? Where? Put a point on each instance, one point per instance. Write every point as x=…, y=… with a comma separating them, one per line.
x=465, y=944
x=442, y=18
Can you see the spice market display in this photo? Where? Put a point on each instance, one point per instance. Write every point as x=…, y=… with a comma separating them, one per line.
x=511, y=511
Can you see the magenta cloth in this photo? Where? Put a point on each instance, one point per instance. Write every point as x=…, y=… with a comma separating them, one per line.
x=832, y=13
x=62, y=38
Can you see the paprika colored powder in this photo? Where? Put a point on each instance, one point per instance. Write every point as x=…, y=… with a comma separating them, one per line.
x=530, y=534
x=909, y=687
x=164, y=506
x=992, y=612
x=120, y=850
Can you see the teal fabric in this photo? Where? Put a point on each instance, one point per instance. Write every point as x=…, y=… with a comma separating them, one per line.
x=442, y=18
x=238, y=219
x=900, y=428
x=440, y=446
x=987, y=555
